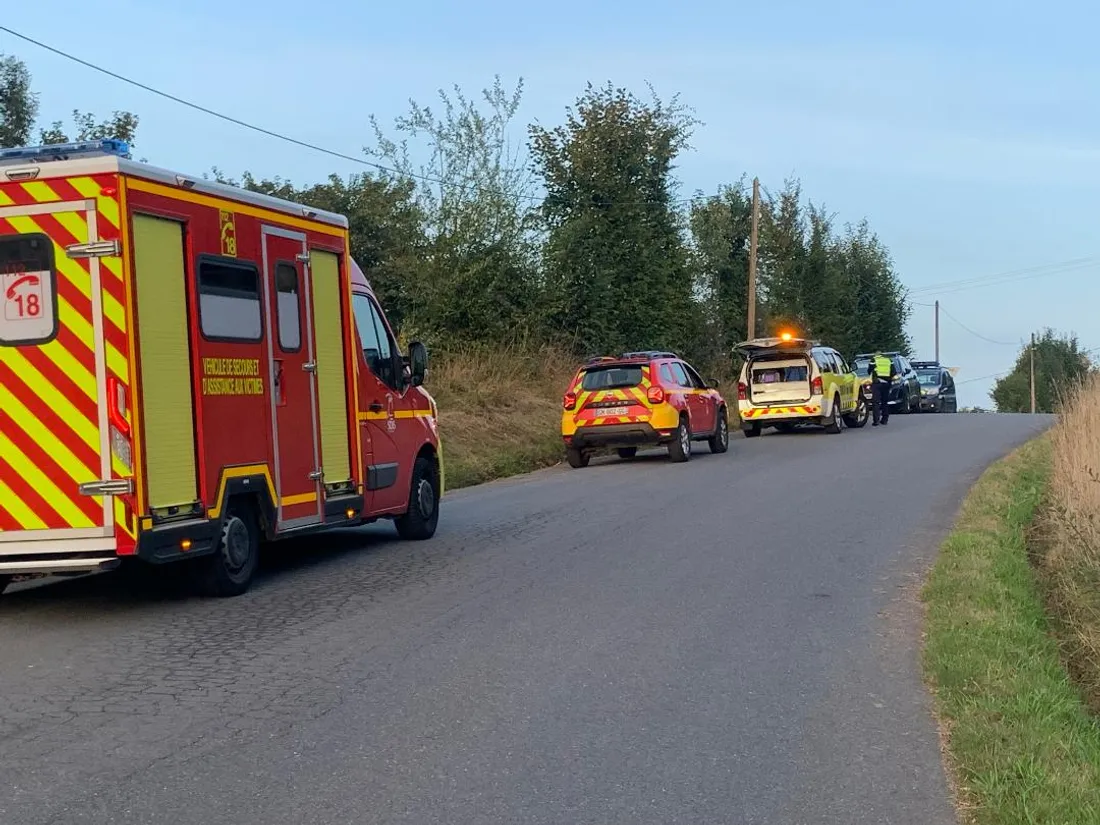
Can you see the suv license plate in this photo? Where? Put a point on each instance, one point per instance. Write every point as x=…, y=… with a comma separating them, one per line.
x=614, y=412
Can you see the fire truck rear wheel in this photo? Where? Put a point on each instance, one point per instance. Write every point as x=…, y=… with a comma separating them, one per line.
x=422, y=517
x=230, y=569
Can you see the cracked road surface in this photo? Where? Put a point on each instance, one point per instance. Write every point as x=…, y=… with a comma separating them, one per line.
x=732, y=640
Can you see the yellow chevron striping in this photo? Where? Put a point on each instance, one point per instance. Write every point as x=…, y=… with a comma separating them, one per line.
x=49, y=491
x=19, y=511
x=40, y=434
x=120, y=518
x=107, y=207
x=84, y=429
x=41, y=191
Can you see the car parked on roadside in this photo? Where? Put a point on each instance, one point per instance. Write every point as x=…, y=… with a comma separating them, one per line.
x=641, y=399
x=787, y=382
x=904, y=394
x=937, y=387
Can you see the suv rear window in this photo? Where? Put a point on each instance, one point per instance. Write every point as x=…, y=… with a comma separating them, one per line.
x=607, y=378
x=28, y=287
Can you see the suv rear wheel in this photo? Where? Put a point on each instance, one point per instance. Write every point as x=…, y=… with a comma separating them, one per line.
x=834, y=424
x=720, y=441
x=679, y=449
x=577, y=458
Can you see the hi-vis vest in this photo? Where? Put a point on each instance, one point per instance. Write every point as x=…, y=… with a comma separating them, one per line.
x=882, y=367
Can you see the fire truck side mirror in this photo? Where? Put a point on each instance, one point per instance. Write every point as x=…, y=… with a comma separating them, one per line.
x=418, y=362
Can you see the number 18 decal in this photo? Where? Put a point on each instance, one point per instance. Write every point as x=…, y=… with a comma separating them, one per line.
x=28, y=307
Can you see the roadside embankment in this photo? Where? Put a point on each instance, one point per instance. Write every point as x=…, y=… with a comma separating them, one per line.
x=1013, y=631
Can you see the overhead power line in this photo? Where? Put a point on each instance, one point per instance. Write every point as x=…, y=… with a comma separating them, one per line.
x=977, y=334
x=287, y=138
x=1011, y=276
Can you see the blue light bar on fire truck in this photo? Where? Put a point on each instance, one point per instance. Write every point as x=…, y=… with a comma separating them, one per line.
x=65, y=151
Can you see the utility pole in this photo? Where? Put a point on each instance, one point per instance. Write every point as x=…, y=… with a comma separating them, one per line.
x=937, y=332
x=1033, y=373
x=752, y=256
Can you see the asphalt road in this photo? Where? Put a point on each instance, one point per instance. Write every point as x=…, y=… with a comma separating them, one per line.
x=732, y=640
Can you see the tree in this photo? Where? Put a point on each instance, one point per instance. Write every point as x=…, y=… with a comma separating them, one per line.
x=120, y=125
x=1060, y=364
x=720, y=230
x=881, y=308
x=18, y=104
x=840, y=289
x=614, y=255
x=477, y=278
x=19, y=112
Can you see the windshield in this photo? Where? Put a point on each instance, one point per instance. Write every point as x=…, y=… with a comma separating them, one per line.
x=607, y=378
x=861, y=367
x=929, y=378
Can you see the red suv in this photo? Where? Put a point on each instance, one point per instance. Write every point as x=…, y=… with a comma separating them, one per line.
x=640, y=399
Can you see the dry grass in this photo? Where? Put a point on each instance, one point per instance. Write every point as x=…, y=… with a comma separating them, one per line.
x=1066, y=537
x=499, y=411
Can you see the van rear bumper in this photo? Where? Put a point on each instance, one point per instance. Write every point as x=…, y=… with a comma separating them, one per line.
x=57, y=556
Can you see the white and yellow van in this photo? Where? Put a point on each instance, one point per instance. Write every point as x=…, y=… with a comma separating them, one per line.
x=789, y=381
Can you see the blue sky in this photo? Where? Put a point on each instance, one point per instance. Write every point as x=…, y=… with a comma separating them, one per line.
x=967, y=137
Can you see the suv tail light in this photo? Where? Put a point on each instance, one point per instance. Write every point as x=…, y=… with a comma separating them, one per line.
x=816, y=387
x=742, y=391
x=570, y=401
x=655, y=394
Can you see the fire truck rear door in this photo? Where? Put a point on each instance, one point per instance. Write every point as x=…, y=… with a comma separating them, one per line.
x=61, y=340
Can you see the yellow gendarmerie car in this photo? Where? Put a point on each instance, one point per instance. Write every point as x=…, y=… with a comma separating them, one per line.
x=789, y=381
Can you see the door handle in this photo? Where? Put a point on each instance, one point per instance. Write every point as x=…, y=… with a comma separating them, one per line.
x=375, y=406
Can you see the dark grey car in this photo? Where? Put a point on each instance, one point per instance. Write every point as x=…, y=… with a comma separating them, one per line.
x=937, y=387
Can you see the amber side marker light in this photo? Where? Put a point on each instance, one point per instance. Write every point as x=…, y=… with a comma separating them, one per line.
x=351, y=514
x=185, y=545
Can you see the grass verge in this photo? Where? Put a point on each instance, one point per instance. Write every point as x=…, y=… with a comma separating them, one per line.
x=1022, y=745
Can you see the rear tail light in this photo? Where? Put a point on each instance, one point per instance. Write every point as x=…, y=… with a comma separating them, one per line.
x=656, y=395
x=742, y=391
x=816, y=387
x=116, y=405
x=570, y=401
x=119, y=425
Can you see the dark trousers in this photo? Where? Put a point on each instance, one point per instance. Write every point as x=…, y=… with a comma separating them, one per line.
x=880, y=397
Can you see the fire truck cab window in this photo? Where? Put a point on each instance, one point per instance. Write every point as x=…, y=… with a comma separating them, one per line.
x=28, y=290
x=377, y=345
x=287, y=308
x=229, y=301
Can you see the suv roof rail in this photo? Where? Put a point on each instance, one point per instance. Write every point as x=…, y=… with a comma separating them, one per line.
x=649, y=353
x=596, y=359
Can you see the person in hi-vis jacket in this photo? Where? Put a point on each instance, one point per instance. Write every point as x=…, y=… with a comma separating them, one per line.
x=882, y=376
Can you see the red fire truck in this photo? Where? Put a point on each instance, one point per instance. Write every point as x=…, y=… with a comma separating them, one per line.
x=189, y=369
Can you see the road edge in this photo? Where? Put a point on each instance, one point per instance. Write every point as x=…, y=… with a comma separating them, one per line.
x=1012, y=725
